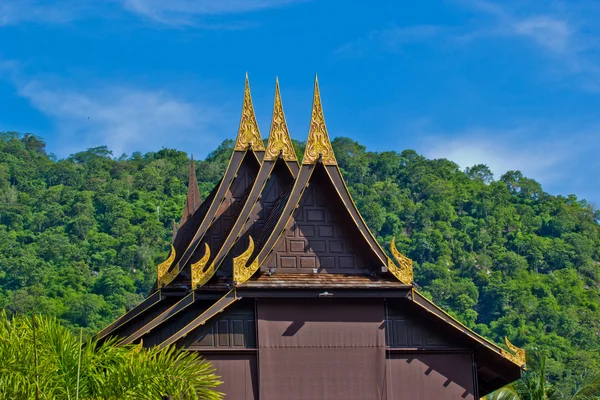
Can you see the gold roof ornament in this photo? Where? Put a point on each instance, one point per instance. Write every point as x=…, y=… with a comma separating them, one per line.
x=248, y=133
x=164, y=277
x=516, y=354
x=241, y=273
x=199, y=276
x=404, y=273
x=318, y=145
x=279, y=136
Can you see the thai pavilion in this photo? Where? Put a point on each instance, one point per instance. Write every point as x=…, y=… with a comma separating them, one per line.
x=276, y=279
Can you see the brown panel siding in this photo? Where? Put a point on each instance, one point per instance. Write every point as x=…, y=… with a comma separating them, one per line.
x=233, y=329
x=318, y=236
x=321, y=349
x=238, y=374
x=430, y=376
x=407, y=330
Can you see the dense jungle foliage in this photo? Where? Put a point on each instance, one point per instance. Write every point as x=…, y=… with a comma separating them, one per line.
x=80, y=239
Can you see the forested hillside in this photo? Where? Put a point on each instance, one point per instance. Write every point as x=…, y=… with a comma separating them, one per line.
x=80, y=238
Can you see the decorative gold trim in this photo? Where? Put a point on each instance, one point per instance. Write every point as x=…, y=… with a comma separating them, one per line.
x=248, y=133
x=519, y=357
x=183, y=332
x=318, y=145
x=241, y=273
x=404, y=273
x=279, y=136
x=199, y=276
x=164, y=277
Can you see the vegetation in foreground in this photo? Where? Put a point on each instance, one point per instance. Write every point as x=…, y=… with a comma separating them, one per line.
x=534, y=384
x=80, y=239
x=40, y=359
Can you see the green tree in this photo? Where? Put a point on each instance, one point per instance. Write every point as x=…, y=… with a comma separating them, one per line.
x=39, y=358
x=534, y=385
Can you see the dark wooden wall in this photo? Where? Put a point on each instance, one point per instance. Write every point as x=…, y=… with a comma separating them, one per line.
x=234, y=329
x=279, y=181
x=238, y=374
x=428, y=376
x=321, y=349
x=330, y=349
x=318, y=236
x=230, y=207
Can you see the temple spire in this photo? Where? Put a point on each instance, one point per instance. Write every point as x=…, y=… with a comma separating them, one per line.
x=318, y=145
x=248, y=133
x=279, y=136
x=193, y=200
x=175, y=227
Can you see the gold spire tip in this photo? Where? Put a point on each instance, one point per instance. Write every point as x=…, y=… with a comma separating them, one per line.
x=248, y=133
x=318, y=145
x=279, y=142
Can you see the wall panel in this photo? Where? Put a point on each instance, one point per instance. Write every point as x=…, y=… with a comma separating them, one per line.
x=238, y=374
x=430, y=376
x=321, y=349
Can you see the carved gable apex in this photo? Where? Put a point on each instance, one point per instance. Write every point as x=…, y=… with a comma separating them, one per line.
x=248, y=133
x=318, y=145
x=279, y=142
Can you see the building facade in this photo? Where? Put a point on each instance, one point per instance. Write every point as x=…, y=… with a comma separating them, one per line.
x=276, y=279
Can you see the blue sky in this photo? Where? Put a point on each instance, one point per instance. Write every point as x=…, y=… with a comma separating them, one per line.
x=515, y=85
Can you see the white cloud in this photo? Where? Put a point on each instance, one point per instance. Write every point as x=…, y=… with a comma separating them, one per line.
x=60, y=11
x=552, y=34
x=123, y=118
x=567, y=33
x=183, y=10
x=560, y=157
x=501, y=151
x=390, y=39
x=174, y=12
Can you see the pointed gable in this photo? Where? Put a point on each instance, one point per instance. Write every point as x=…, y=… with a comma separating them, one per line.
x=319, y=237
x=319, y=228
x=230, y=196
x=279, y=143
x=318, y=145
x=193, y=202
x=209, y=225
x=276, y=176
x=248, y=133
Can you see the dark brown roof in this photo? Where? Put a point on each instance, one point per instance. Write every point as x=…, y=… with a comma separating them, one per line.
x=322, y=281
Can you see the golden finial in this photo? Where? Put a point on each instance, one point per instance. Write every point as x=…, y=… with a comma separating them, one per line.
x=279, y=136
x=404, y=273
x=241, y=273
x=318, y=144
x=519, y=357
x=248, y=134
x=164, y=278
x=199, y=276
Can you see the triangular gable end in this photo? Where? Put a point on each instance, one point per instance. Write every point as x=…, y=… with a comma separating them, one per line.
x=274, y=180
x=320, y=229
x=276, y=175
x=225, y=198
x=231, y=194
